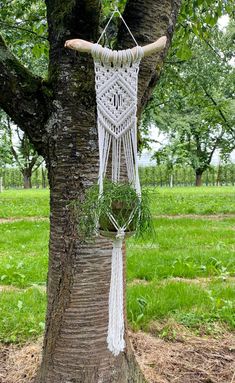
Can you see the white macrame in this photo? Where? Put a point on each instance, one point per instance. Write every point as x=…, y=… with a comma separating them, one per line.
x=116, y=75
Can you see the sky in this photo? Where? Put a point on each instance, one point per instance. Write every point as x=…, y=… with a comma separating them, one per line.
x=155, y=134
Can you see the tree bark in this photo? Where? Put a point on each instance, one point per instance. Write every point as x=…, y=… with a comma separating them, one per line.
x=75, y=348
x=27, y=177
x=44, y=178
x=148, y=20
x=198, y=180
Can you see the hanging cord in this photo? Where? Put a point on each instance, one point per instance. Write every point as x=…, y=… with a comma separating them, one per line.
x=116, y=10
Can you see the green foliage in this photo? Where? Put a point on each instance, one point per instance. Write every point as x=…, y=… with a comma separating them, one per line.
x=13, y=178
x=197, y=19
x=6, y=157
x=18, y=148
x=5, y=151
x=119, y=200
x=194, y=105
x=24, y=27
x=171, y=173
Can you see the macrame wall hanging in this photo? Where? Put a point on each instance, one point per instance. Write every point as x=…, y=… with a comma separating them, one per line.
x=116, y=77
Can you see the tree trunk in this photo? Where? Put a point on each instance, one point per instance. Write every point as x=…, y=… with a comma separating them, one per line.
x=43, y=178
x=218, y=176
x=75, y=347
x=198, y=181
x=27, y=178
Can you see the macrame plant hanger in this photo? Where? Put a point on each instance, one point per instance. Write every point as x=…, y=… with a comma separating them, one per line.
x=116, y=76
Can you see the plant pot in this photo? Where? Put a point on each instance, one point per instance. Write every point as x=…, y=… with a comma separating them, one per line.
x=121, y=212
x=112, y=234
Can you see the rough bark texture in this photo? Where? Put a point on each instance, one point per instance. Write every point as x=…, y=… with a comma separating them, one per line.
x=75, y=349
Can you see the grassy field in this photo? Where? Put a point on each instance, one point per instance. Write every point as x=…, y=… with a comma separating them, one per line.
x=183, y=275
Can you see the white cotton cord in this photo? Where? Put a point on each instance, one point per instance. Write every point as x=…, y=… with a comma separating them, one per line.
x=116, y=10
x=134, y=143
x=116, y=76
x=108, y=141
x=115, y=338
x=101, y=145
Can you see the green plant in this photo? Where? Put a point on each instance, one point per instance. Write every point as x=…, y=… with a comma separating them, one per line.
x=119, y=200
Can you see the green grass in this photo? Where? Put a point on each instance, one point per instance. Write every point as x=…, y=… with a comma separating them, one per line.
x=22, y=315
x=24, y=203
x=183, y=247
x=192, y=200
x=189, y=200
x=188, y=304
x=23, y=253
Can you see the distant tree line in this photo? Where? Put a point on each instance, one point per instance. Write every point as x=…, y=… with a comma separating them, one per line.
x=13, y=178
x=158, y=176
x=163, y=176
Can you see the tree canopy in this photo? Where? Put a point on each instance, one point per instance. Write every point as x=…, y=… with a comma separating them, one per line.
x=194, y=102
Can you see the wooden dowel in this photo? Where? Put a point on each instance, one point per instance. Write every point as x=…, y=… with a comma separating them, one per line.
x=85, y=46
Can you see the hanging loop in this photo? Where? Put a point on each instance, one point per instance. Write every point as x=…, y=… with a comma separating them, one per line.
x=116, y=10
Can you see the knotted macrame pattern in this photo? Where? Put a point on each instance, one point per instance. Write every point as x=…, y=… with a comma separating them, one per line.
x=116, y=76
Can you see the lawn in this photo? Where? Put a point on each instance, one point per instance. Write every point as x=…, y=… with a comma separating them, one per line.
x=24, y=203
x=191, y=200
x=184, y=274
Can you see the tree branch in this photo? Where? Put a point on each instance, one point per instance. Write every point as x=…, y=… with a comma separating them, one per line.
x=22, y=96
x=33, y=161
x=37, y=166
x=216, y=104
x=148, y=20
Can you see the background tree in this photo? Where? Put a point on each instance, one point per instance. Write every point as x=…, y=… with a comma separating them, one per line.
x=5, y=152
x=22, y=151
x=196, y=109
x=170, y=155
x=58, y=115
x=5, y=149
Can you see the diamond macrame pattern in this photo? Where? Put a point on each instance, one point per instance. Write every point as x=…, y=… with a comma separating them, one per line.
x=116, y=95
x=116, y=108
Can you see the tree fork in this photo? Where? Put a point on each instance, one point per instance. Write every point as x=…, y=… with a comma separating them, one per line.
x=24, y=97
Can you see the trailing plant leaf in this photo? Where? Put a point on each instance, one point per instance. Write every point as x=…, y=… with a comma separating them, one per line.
x=120, y=200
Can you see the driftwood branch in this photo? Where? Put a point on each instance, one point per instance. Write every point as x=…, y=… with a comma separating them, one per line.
x=86, y=46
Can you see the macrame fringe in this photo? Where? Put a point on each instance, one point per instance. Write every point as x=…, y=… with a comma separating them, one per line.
x=115, y=338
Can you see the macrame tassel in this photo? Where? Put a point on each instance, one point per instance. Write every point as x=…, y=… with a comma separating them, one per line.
x=115, y=338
